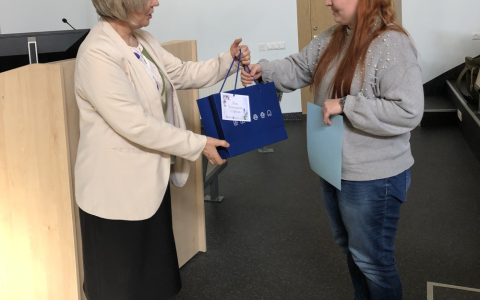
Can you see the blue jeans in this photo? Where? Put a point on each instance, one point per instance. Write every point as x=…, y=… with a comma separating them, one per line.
x=363, y=218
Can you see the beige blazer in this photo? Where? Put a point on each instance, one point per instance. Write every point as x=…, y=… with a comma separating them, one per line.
x=123, y=163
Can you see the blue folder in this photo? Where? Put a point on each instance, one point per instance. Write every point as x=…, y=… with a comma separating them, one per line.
x=266, y=126
x=324, y=145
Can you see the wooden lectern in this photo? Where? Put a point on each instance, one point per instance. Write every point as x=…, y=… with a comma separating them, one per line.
x=40, y=238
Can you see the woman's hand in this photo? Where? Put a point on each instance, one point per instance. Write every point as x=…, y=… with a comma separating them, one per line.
x=255, y=73
x=211, y=153
x=330, y=108
x=235, y=51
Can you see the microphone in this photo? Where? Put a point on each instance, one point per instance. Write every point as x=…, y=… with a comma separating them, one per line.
x=65, y=21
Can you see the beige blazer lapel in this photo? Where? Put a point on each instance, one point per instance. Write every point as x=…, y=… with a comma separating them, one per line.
x=149, y=45
x=149, y=88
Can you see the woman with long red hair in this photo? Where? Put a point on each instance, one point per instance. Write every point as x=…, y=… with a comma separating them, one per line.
x=365, y=68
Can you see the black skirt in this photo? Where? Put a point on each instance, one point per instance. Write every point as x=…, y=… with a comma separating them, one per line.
x=130, y=260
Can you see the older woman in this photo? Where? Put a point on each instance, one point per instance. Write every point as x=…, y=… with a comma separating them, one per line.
x=365, y=68
x=133, y=143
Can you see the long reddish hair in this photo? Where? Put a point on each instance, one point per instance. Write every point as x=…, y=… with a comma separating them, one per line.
x=368, y=13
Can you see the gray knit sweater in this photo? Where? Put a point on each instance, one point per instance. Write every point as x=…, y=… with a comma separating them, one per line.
x=381, y=110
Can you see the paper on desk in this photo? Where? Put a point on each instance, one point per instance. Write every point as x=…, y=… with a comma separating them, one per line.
x=324, y=145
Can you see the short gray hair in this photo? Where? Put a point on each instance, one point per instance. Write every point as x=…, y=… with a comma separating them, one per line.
x=118, y=9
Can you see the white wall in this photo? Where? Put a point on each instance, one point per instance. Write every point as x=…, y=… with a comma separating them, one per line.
x=442, y=31
x=215, y=24
x=18, y=16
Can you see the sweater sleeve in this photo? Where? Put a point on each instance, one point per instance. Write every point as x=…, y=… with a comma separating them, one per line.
x=296, y=71
x=197, y=75
x=192, y=75
x=398, y=102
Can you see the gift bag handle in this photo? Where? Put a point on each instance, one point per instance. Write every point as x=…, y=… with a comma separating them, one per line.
x=236, y=79
x=256, y=83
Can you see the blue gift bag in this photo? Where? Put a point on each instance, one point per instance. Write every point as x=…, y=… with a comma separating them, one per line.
x=266, y=126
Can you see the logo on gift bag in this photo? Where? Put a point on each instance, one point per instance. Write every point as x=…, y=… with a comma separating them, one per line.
x=255, y=117
x=269, y=113
x=262, y=115
x=242, y=122
x=235, y=123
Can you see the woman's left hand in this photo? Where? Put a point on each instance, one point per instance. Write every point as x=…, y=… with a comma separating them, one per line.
x=235, y=51
x=330, y=108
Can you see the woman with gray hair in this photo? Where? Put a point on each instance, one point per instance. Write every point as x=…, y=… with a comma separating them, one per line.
x=133, y=143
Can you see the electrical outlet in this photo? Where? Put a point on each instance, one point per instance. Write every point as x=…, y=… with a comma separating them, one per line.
x=459, y=114
x=476, y=36
x=272, y=46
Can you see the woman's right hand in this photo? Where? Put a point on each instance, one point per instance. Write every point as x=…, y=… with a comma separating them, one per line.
x=211, y=153
x=255, y=73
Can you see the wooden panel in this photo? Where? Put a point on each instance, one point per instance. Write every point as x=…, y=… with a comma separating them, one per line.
x=311, y=13
x=304, y=38
x=36, y=221
x=398, y=8
x=187, y=202
x=321, y=17
x=39, y=221
x=304, y=22
x=73, y=136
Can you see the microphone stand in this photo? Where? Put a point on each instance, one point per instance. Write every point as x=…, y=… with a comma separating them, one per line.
x=65, y=21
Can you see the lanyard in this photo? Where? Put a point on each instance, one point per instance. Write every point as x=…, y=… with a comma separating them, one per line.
x=143, y=60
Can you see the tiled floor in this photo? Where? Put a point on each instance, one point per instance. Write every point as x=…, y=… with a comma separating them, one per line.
x=270, y=237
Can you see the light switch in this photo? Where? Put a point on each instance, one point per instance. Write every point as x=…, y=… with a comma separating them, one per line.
x=270, y=46
x=262, y=47
x=276, y=46
x=282, y=45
